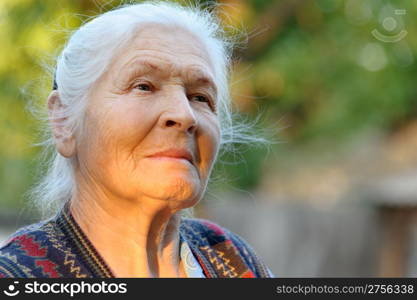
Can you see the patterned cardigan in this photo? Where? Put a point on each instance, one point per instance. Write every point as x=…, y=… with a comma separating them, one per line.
x=58, y=248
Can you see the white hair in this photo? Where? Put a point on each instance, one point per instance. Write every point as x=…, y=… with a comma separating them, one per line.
x=86, y=56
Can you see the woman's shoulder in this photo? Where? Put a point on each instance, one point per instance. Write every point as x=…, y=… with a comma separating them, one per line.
x=210, y=230
x=208, y=234
x=213, y=233
x=19, y=251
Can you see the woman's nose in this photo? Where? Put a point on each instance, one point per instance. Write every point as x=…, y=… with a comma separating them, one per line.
x=180, y=115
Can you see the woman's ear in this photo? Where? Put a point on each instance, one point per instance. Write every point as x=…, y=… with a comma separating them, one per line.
x=64, y=138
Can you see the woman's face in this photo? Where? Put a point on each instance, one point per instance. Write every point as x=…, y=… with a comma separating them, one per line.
x=157, y=96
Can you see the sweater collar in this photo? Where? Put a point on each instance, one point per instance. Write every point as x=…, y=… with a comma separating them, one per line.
x=95, y=262
x=83, y=246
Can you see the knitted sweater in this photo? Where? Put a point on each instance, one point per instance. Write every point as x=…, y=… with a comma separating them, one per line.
x=58, y=248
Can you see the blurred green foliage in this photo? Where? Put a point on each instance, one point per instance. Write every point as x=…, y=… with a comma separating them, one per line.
x=314, y=67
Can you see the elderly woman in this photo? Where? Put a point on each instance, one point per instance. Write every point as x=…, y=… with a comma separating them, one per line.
x=137, y=115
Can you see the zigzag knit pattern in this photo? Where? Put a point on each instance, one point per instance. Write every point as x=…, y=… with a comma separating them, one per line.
x=58, y=248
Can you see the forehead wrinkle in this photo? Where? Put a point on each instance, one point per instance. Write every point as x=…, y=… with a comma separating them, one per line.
x=194, y=74
x=144, y=66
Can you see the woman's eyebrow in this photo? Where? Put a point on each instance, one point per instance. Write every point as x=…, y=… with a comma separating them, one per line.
x=199, y=77
x=134, y=68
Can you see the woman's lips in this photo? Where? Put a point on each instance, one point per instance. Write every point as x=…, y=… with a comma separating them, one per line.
x=167, y=158
x=174, y=154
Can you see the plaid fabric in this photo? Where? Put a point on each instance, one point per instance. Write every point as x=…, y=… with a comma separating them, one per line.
x=58, y=248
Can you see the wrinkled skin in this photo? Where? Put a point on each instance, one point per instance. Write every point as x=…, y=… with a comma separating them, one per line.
x=157, y=94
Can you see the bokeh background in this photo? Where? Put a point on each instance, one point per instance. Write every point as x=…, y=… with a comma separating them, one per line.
x=334, y=84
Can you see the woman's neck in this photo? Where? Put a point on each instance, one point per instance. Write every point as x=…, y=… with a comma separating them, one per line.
x=134, y=239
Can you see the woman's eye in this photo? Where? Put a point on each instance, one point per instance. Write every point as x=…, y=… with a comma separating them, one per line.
x=143, y=87
x=200, y=98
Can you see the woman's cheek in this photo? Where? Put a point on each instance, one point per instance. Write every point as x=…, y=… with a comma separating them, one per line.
x=209, y=145
x=132, y=125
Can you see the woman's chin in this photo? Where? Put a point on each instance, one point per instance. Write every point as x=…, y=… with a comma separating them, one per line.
x=177, y=189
